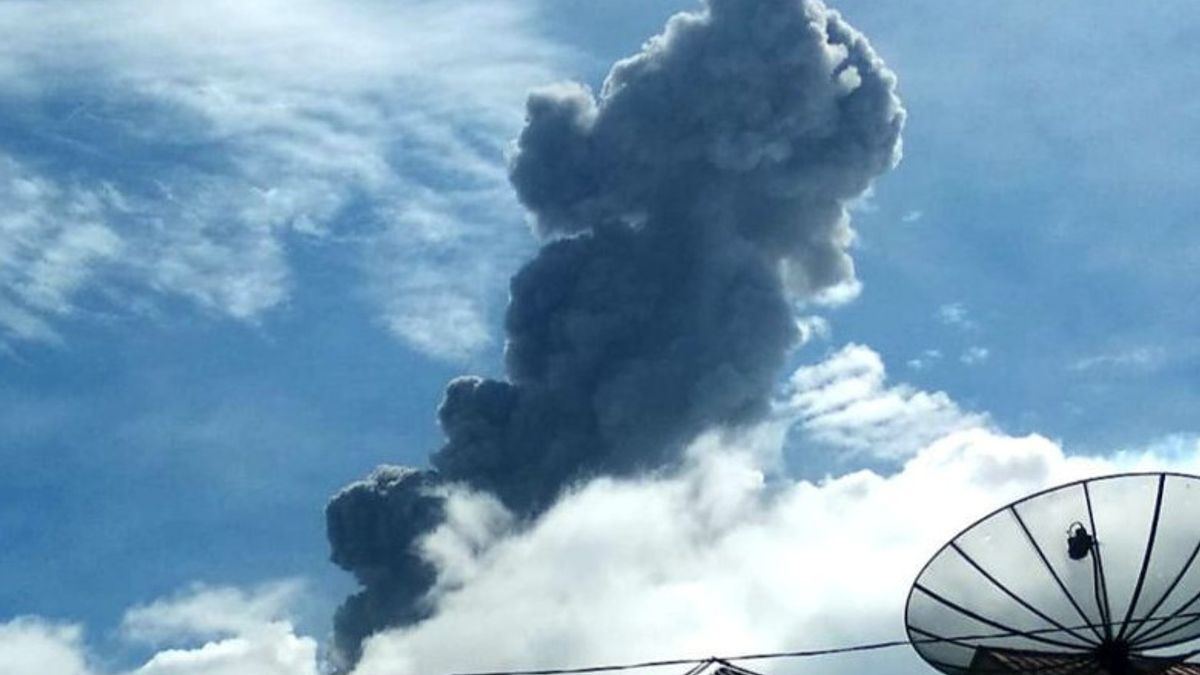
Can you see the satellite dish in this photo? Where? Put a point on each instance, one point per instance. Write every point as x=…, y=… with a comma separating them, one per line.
x=1096, y=576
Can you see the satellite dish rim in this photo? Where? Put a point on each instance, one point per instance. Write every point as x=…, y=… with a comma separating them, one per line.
x=908, y=627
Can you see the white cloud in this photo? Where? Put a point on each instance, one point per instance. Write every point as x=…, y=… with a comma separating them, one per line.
x=845, y=402
x=432, y=279
x=722, y=559
x=52, y=238
x=973, y=356
x=224, y=631
x=443, y=323
x=955, y=314
x=864, y=203
x=271, y=650
x=927, y=358
x=1135, y=359
x=30, y=646
x=813, y=327
x=719, y=558
x=216, y=138
x=206, y=612
x=841, y=294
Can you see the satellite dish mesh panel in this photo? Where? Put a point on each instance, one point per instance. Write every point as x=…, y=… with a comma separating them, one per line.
x=1097, y=576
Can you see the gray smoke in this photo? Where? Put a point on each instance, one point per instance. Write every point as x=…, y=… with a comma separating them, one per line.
x=371, y=526
x=686, y=208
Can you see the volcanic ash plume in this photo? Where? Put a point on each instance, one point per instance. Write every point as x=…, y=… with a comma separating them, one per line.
x=684, y=209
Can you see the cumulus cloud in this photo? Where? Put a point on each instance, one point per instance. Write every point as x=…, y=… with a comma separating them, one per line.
x=721, y=556
x=237, y=631
x=845, y=403
x=204, y=611
x=167, y=150
x=686, y=208
x=205, y=631
x=724, y=558
x=31, y=646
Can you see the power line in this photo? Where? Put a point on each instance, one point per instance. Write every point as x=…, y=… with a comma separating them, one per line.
x=700, y=663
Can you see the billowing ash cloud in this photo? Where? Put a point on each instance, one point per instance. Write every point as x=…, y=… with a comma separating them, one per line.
x=686, y=208
x=371, y=526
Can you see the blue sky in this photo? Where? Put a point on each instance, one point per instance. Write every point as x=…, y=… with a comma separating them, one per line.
x=243, y=249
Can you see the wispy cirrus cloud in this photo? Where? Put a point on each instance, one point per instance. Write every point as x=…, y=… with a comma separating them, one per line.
x=52, y=238
x=208, y=144
x=1136, y=359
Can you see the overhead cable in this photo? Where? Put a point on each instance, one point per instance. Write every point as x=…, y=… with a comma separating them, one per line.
x=701, y=663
